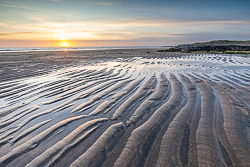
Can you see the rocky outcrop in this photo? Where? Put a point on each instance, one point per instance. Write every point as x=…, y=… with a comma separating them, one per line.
x=207, y=48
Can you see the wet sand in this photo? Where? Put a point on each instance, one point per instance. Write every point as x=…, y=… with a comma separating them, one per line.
x=130, y=107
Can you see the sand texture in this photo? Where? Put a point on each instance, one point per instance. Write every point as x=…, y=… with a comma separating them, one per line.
x=122, y=108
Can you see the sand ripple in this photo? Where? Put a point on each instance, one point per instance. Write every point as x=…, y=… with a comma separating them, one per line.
x=185, y=110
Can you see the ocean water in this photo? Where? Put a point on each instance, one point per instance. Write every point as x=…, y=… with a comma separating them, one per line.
x=23, y=49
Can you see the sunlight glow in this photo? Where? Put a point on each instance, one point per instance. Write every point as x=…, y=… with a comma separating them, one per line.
x=64, y=44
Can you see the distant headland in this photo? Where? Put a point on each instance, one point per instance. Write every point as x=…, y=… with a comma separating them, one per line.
x=221, y=42
x=217, y=46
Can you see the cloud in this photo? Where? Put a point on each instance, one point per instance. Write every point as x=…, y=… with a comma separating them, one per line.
x=33, y=26
x=22, y=7
x=101, y=3
x=15, y=33
x=56, y=0
x=114, y=22
x=25, y=35
x=92, y=2
x=125, y=30
x=3, y=24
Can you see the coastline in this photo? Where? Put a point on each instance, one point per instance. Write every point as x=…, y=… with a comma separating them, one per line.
x=34, y=49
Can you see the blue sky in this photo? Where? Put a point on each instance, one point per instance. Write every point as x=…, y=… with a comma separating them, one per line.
x=121, y=23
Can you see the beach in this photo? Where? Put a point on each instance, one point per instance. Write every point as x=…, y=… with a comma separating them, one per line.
x=124, y=107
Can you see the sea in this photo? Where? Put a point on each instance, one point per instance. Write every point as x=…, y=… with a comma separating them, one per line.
x=28, y=49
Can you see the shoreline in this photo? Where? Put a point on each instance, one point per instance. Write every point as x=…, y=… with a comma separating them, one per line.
x=37, y=49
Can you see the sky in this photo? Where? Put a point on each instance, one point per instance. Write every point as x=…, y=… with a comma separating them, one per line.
x=96, y=23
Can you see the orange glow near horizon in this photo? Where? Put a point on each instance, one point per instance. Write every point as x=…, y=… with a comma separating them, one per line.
x=64, y=44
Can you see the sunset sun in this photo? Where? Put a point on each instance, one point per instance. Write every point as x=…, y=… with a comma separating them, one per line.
x=64, y=44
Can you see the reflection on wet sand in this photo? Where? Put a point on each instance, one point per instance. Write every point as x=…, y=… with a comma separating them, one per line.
x=136, y=111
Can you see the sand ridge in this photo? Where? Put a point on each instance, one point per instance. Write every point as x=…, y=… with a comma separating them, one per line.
x=130, y=109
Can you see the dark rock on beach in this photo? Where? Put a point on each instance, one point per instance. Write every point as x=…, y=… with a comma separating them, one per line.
x=206, y=48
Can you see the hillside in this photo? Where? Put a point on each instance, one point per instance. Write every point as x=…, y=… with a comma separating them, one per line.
x=218, y=46
x=223, y=42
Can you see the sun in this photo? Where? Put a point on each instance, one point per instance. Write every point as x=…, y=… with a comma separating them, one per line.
x=64, y=44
